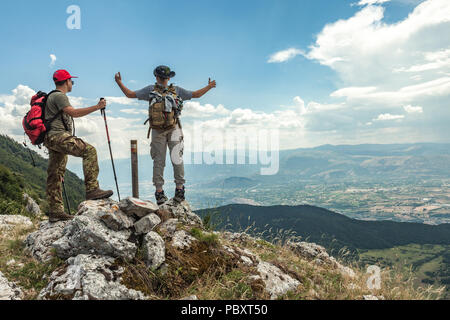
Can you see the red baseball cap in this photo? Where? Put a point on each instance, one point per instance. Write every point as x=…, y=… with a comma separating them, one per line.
x=62, y=75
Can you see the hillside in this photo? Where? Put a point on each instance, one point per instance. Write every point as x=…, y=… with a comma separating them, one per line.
x=135, y=250
x=18, y=166
x=423, y=248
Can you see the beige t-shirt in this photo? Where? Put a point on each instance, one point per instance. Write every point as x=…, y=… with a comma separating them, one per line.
x=56, y=102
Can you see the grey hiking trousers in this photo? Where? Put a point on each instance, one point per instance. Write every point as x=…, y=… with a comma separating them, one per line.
x=161, y=139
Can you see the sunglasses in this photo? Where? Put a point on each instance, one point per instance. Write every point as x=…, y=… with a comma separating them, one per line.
x=73, y=82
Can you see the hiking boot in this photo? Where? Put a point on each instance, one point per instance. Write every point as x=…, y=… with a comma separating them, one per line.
x=160, y=197
x=179, y=195
x=59, y=216
x=98, y=194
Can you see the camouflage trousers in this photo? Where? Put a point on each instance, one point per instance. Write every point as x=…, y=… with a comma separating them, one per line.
x=161, y=139
x=59, y=146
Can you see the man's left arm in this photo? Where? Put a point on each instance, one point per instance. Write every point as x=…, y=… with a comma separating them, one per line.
x=201, y=92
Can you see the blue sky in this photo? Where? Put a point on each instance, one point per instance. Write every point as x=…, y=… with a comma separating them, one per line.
x=361, y=71
x=229, y=41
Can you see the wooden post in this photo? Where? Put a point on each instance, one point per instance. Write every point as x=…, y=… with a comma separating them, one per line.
x=134, y=169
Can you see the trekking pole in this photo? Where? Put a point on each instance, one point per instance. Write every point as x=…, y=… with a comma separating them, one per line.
x=103, y=112
x=65, y=196
x=31, y=155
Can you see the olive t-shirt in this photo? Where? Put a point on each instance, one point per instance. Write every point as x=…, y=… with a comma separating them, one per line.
x=58, y=101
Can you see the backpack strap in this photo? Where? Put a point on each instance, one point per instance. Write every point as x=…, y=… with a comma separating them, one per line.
x=59, y=113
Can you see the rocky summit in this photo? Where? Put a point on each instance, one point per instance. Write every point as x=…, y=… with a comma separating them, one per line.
x=137, y=250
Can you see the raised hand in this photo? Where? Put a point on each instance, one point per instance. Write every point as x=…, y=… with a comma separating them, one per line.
x=211, y=84
x=118, y=77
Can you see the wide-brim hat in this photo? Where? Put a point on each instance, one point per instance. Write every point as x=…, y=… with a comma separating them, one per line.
x=163, y=72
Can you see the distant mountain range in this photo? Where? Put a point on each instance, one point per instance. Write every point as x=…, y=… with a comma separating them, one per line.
x=327, y=163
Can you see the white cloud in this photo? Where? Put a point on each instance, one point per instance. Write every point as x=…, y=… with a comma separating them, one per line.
x=193, y=109
x=365, y=50
x=439, y=87
x=53, y=60
x=371, y=2
x=387, y=116
x=122, y=100
x=411, y=109
x=135, y=111
x=284, y=55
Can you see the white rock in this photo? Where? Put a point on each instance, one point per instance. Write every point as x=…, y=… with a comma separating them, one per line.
x=372, y=297
x=147, y=223
x=319, y=256
x=87, y=235
x=276, y=282
x=247, y=261
x=11, y=262
x=31, y=205
x=154, y=250
x=9, y=222
x=169, y=227
x=89, y=277
x=138, y=207
x=193, y=297
x=9, y=290
x=39, y=243
x=182, y=240
x=308, y=250
x=108, y=212
x=182, y=211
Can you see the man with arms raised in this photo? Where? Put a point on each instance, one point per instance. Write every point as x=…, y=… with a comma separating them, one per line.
x=165, y=126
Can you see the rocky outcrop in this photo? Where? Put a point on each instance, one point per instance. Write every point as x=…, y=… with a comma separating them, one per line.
x=9, y=290
x=102, y=232
x=105, y=236
x=89, y=277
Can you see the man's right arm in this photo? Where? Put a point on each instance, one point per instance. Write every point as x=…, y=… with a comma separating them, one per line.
x=81, y=112
x=127, y=92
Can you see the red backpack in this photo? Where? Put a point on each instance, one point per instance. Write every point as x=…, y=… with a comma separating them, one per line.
x=34, y=123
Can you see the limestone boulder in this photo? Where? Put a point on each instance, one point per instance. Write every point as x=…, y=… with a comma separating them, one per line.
x=87, y=235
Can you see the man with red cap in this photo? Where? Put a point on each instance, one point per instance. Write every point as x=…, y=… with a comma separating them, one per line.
x=61, y=142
